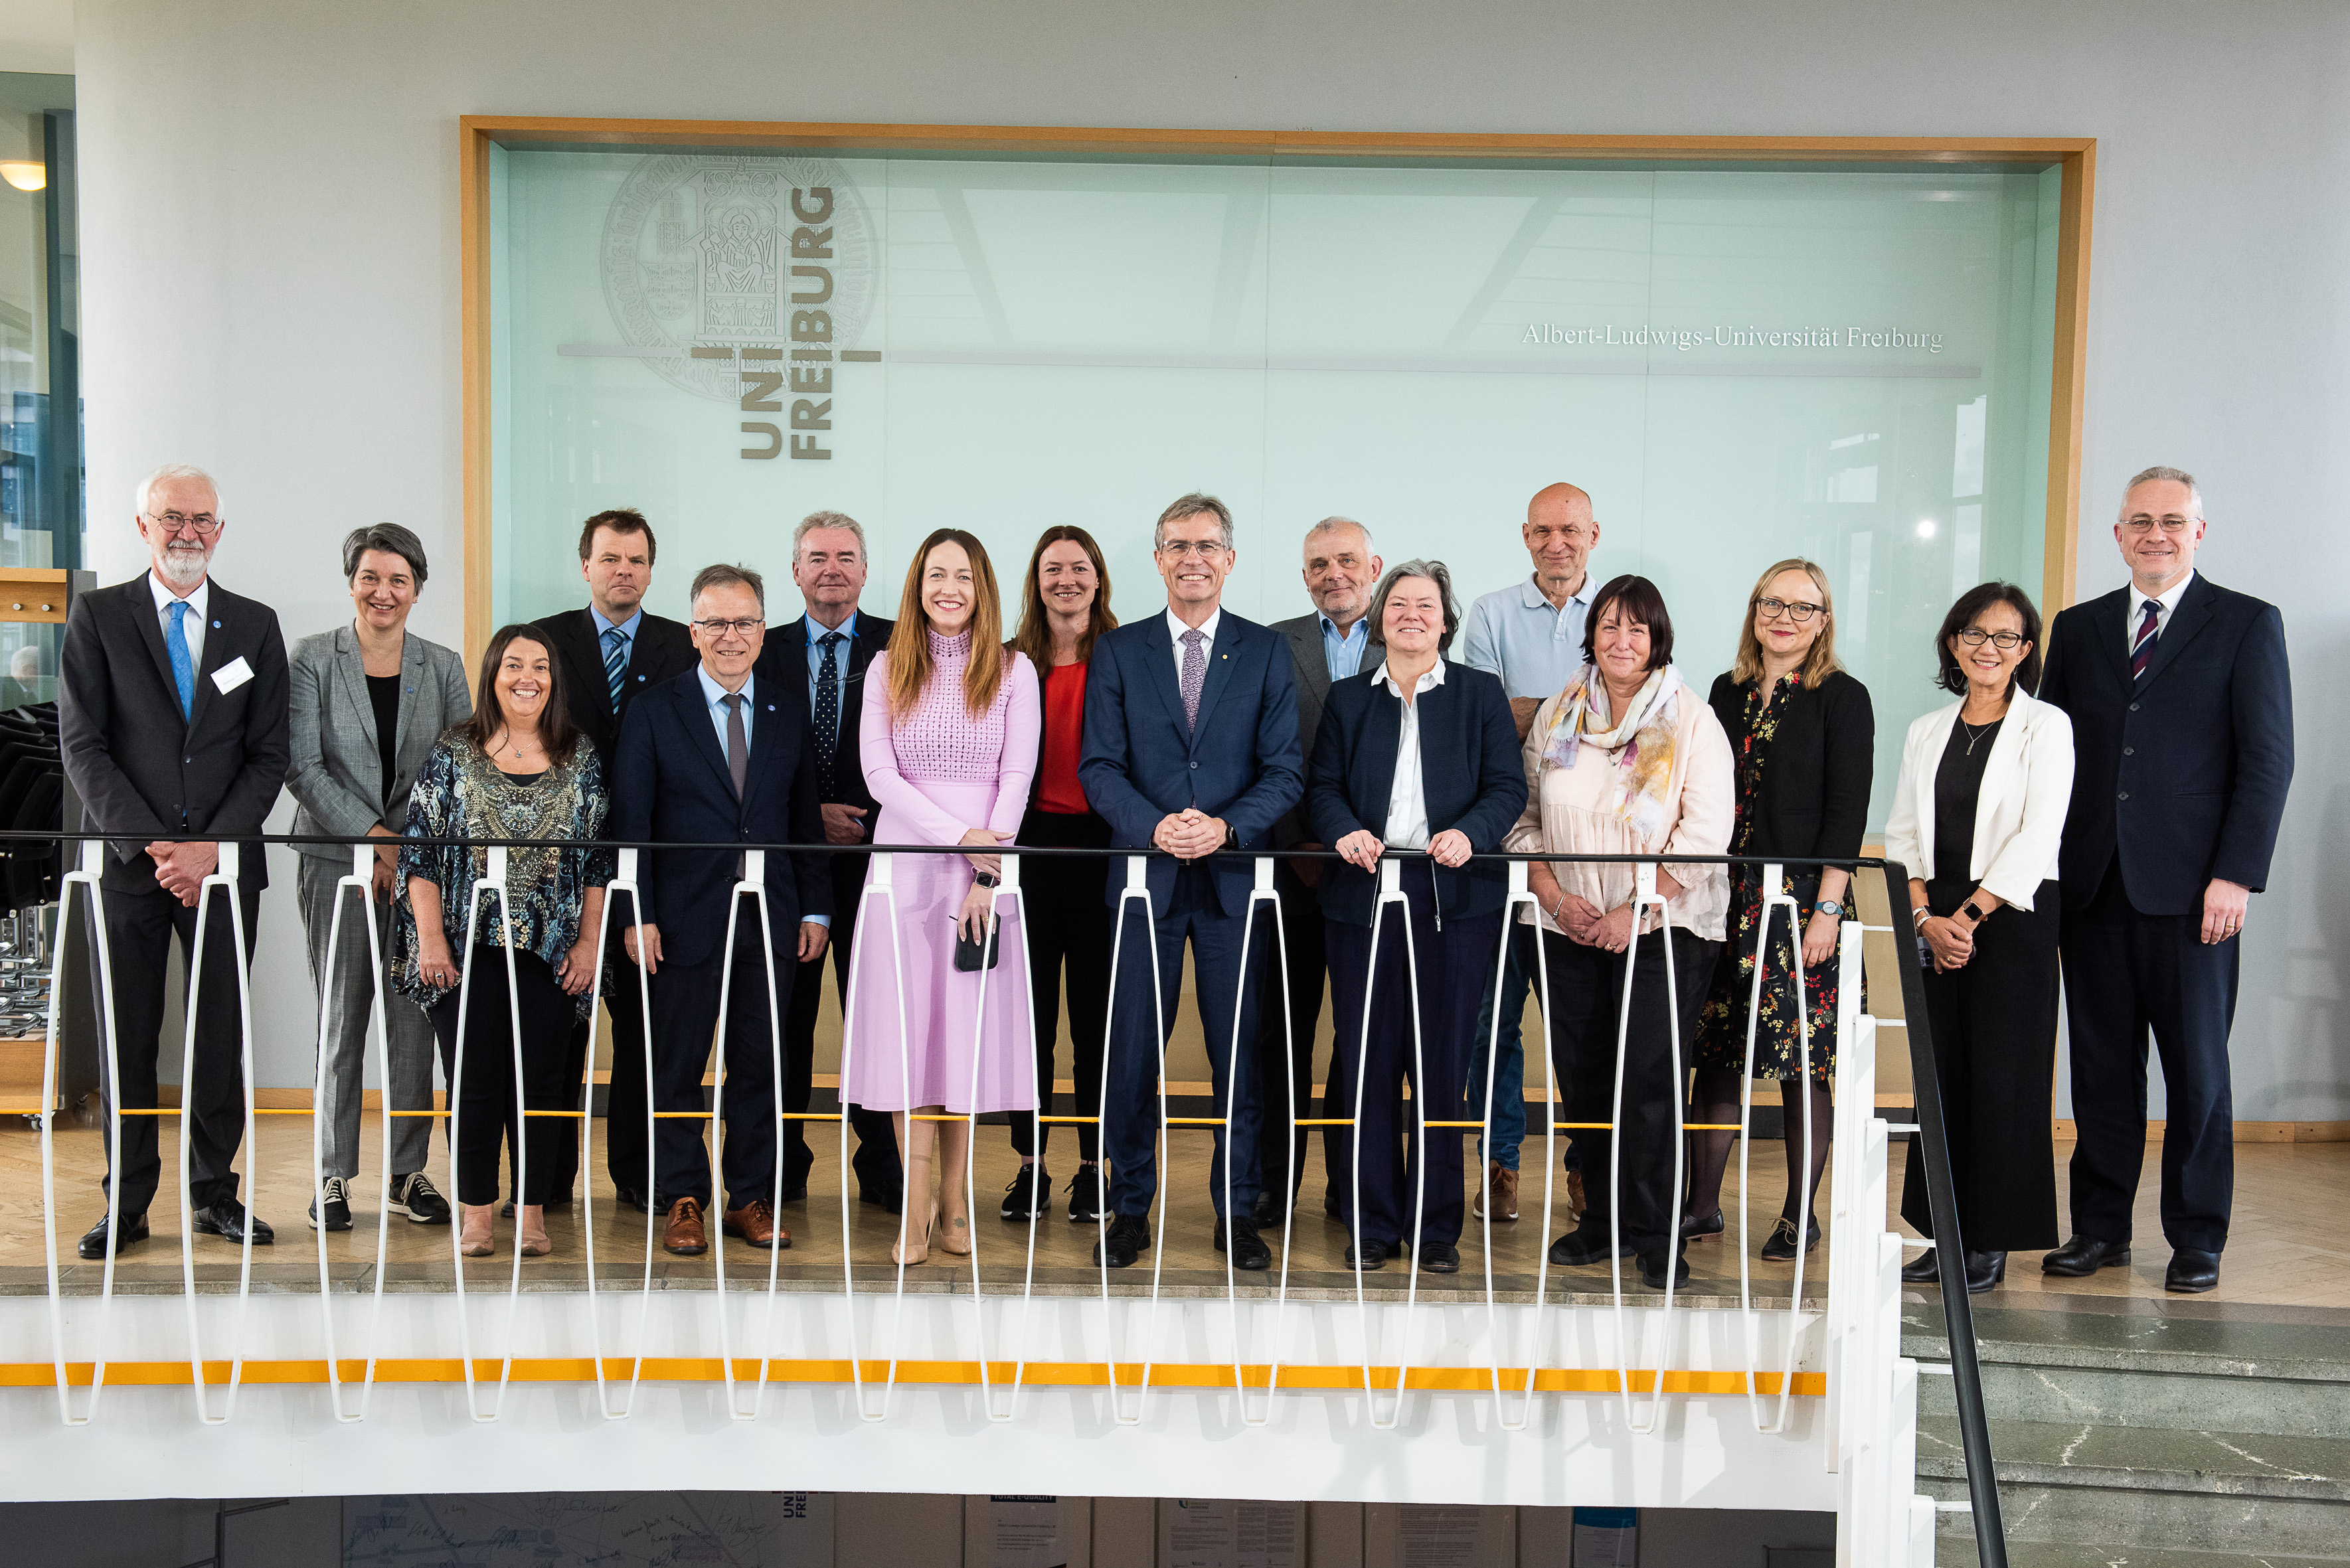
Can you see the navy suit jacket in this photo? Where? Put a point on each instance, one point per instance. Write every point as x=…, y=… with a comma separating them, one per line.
x=670, y=784
x=1241, y=762
x=2184, y=776
x=783, y=657
x=1471, y=772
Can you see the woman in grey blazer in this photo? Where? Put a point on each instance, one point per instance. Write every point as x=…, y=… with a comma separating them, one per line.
x=369, y=700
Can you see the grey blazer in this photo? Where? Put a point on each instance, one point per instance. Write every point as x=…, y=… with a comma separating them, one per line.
x=337, y=773
x=1305, y=638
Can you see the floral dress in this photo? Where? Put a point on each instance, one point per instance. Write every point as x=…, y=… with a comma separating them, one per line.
x=1721, y=1024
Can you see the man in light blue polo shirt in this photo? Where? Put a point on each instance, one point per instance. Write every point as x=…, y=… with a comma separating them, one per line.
x=1531, y=635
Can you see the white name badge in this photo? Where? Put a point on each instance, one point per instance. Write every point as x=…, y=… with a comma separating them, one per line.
x=232, y=674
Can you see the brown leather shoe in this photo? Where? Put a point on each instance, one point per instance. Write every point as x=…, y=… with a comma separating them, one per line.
x=684, y=1234
x=1575, y=1201
x=1505, y=1193
x=756, y=1223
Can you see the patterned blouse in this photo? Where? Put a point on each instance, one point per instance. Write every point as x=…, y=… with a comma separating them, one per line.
x=462, y=794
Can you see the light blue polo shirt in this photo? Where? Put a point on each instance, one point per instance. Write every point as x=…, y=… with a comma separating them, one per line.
x=1515, y=634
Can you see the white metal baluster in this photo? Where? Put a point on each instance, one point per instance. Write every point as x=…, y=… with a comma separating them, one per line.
x=88, y=876
x=1644, y=896
x=1519, y=894
x=1137, y=889
x=753, y=884
x=1804, y=1208
x=880, y=883
x=494, y=880
x=1007, y=886
x=223, y=876
x=1390, y=892
x=1856, y=1095
x=1775, y=897
x=625, y=882
x=361, y=877
x=1263, y=888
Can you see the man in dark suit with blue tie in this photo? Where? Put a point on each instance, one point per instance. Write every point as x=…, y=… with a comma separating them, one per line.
x=2182, y=725
x=714, y=755
x=1191, y=747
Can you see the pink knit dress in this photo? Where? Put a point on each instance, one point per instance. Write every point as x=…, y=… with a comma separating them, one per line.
x=935, y=773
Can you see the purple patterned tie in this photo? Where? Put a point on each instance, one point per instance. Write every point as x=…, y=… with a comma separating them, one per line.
x=1195, y=676
x=2142, y=649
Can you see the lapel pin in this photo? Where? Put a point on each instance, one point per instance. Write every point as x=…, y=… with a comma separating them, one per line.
x=216, y=626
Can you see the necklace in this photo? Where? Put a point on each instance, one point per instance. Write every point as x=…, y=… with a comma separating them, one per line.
x=1974, y=735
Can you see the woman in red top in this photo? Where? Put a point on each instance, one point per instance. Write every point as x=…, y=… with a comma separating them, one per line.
x=1065, y=607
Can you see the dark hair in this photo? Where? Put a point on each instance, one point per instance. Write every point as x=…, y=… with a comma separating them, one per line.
x=556, y=732
x=1034, y=636
x=1639, y=601
x=1972, y=603
x=390, y=536
x=623, y=520
x=1434, y=572
x=726, y=577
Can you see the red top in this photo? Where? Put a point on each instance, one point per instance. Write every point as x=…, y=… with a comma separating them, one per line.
x=1057, y=788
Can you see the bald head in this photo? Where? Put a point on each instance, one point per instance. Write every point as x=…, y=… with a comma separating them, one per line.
x=1560, y=534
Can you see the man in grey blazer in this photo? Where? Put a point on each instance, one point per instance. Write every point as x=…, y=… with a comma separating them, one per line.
x=367, y=702
x=1342, y=567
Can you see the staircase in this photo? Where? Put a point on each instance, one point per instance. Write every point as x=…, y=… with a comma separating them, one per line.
x=2139, y=1439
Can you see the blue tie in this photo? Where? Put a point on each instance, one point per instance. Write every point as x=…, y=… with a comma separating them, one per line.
x=183, y=663
x=616, y=663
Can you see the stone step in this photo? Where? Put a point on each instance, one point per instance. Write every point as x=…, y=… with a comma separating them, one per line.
x=1959, y=1551
x=2166, y=1489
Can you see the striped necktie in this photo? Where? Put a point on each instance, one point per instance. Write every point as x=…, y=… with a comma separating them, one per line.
x=616, y=663
x=2142, y=649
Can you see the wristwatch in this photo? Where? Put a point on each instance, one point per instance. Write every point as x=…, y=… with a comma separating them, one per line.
x=984, y=879
x=1974, y=912
x=1829, y=907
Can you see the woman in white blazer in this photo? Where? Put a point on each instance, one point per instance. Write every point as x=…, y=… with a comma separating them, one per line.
x=1977, y=818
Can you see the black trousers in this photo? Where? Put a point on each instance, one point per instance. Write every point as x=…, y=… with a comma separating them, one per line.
x=626, y=1156
x=685, y=1016
x=1284, y=1067
x=2125, y=974
x=1400, y=1182
x=484, y=1091
x=139, y=932
x=1068, y=934
x=878, y=1173
x=1994, y=1030
x=1587, y=1007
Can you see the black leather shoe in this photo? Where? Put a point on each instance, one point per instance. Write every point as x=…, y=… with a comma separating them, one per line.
x=889, y=1199
x=1268, y=1207
x=2192, y=1272
x=1587, y=1243
x=1128, y=1238
x=227, y=1219
x=1984, y=1270
x=1375, y=1255
x=1653, y=1270
x=1780, y=1247
x=1925, y=1269
x=1439, y=1257
x=630, y=1197
x=1701, y=1227
x=2084, y=1255
x=93, y=1240
x=1249, y=1251
x=1330, y=1202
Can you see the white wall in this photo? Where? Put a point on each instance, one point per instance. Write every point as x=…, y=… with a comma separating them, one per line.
x=271, y=226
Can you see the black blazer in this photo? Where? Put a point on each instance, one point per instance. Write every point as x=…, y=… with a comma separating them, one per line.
x=1470, y=770
x=2184, y=777
x=1815, y=788
x=139, y=766
x=672, y=785
x=783, y=658
x=661, y=650
x=1312, y=667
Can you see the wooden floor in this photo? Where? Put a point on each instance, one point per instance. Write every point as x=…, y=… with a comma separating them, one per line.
x=2276, y=1255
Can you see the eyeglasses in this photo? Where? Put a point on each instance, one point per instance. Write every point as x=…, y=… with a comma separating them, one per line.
x=2145, y=526
x=204, y=524
x=717, y=628
x=2005, y=641
x=1796, y=610
x=1203, y=548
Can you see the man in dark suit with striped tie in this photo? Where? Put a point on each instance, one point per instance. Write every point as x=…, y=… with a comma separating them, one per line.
x=621, y=649
x=2182, y=727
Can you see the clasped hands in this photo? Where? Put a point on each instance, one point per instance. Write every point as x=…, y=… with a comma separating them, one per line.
x=1363, y=848
x=180, y=868
x=1190, y=834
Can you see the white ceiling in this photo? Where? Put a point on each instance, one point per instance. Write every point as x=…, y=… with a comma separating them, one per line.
x=37, y=35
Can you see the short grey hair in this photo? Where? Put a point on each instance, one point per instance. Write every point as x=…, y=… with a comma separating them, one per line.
x=1432, y=571
x=816, y=520
x=1192, y=505
x=389, y=536
x=2157, y=475
x=170, y=471
x=1334, y=524
x=726, y=577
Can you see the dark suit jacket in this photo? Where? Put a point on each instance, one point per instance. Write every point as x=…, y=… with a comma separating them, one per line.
x=672, y=785
x=1815, y=797
x=1242, y=762
x=141, y=769
x=1471, y=771
x=661, y=650
x=1304, y=634
x=2183, y=778
x=783, y=658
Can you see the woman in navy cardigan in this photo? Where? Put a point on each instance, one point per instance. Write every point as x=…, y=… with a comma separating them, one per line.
x=1417, y=755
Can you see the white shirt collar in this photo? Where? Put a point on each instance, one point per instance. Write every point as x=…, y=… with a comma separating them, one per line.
x=1207, y=628
x=1435, y=677
x=2167, y=598
x=713, y=693
x=197, y=601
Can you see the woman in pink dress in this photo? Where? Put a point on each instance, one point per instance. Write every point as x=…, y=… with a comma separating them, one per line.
x=948, y=734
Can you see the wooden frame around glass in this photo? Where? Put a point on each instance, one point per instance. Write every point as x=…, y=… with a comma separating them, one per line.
x=2074, y=156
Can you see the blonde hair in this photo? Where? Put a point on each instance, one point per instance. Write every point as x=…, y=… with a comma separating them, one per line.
x=910, y=641
x=1822, y=661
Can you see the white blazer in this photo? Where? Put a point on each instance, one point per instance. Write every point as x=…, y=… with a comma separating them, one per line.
x=2027, y=786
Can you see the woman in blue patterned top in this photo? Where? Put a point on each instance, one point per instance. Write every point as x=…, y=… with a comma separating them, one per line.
x=517, y=769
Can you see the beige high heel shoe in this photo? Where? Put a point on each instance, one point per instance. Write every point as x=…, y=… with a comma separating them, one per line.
x=530, y=1231
x=898, y=1252
x=476, y=1237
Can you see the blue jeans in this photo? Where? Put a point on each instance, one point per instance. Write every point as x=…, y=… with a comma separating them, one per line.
x=1509, y=1067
